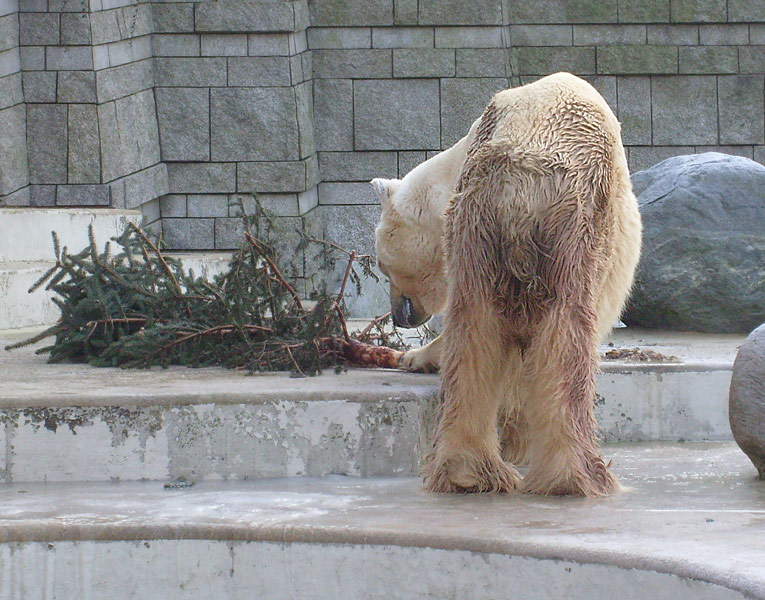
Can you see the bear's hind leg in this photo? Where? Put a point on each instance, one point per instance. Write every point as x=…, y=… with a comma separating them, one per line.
x=512, y=422
x=466, y=456
x=513, y=436
x=559, y=377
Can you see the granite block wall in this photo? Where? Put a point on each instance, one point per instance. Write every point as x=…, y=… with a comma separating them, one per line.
x=184, y=108
x=87, y=82
x=683, y=76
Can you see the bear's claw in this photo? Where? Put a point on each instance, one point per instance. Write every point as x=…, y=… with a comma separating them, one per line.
x=417, y=361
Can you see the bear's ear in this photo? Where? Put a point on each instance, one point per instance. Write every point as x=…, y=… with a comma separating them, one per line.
x=384, y=188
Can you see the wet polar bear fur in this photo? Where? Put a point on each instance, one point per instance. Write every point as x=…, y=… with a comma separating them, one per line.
x=527, y=233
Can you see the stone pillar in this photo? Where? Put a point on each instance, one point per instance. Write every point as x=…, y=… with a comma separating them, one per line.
x=131, y=167
x=235, y=111
x=14, y=174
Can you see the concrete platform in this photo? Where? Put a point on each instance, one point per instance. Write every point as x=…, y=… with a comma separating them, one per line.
x=74, y=422
x=690, y=524
x=75, y=523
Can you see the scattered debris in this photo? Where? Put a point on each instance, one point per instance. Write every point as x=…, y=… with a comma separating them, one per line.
x=179, y=484
x=638, y=355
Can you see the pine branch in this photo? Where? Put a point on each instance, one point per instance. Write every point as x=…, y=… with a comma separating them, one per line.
x=158, y=254
x=274, y=268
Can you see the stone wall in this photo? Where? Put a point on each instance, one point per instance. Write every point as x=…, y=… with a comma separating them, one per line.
x=682, y=78
x=183, y=107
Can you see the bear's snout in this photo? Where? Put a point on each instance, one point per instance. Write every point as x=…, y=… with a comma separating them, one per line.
x=406, y=314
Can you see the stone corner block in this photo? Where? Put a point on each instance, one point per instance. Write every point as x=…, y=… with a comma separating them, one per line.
x=245, y=120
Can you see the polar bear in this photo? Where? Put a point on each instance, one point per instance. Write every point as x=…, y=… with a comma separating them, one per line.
x=527, y=233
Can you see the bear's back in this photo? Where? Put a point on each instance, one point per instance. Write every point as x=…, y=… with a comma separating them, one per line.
x=559, y=115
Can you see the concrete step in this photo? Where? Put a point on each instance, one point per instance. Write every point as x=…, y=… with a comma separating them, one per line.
x=688, y=525
x=203, y=264
x=74, y=422
x=26, y=253
x=18, y=308
x=25, y=233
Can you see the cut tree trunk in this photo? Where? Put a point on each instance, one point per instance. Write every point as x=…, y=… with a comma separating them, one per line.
x=369, y=355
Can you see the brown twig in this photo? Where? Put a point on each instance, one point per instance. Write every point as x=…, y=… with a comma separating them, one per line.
x=197, y=334
x=336, y=247
x=118, y=320
x=274, y=269
x=341, y=293
x=294, y=362
x=94, y=324
x=374, y=323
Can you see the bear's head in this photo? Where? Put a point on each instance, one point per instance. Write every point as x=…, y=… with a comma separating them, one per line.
x=408, y=241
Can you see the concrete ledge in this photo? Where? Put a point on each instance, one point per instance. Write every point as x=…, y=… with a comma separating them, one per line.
x=26, y=253
x=687, y=525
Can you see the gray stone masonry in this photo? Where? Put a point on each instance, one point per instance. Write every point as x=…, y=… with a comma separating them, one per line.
x=186, y=107
x=14, y=173
x=233, y=87
x=14, y=163
x=91, y=130
x=396, y=114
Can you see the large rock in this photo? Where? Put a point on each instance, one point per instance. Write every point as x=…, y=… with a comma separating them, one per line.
x=747, y=399
x=703, y=261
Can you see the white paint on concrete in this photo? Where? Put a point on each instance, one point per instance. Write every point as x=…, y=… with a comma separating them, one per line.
x=680, y=405
x=203, y=264
x=266, y=434
x=219, y=424
x=26, y=253
x=98, y=451
x=213, y=441
x=18, y=308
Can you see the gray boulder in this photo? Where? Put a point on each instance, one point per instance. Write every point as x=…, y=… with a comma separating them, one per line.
x=746, y=408
x=703, y=261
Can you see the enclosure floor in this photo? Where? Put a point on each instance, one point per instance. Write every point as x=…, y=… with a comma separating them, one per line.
x=694, y=510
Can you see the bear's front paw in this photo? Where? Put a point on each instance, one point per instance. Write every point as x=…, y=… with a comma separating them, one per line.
x=467, y=473
x=418, y=361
